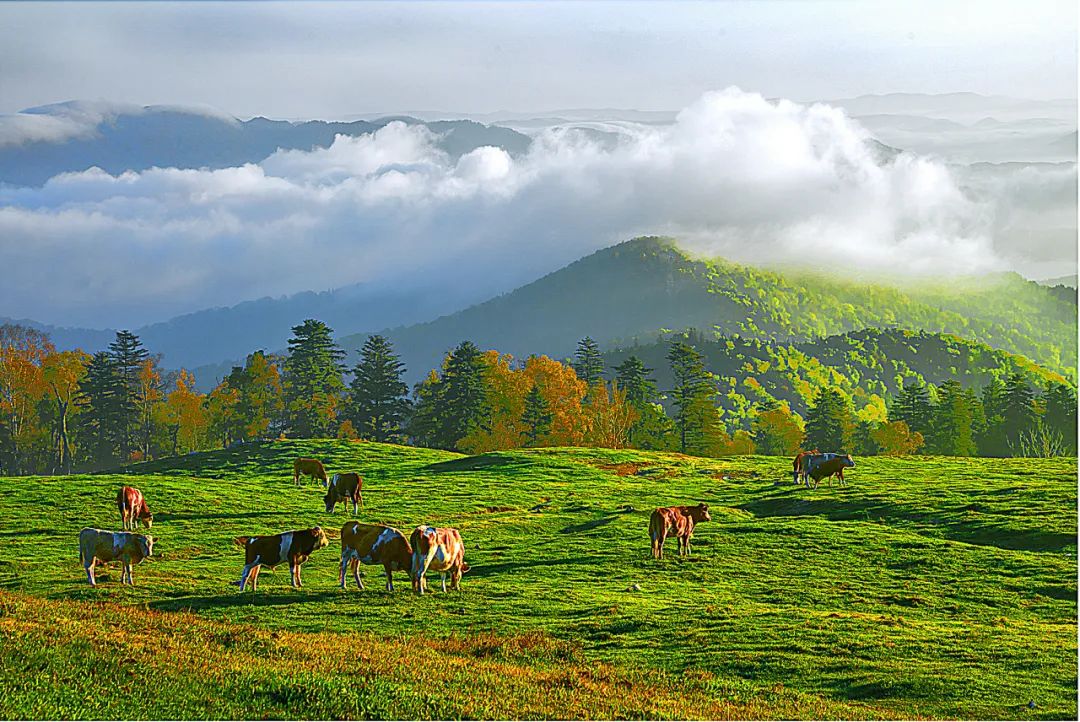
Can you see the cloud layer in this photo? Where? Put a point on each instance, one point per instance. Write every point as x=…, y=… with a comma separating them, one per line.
x=736, y=175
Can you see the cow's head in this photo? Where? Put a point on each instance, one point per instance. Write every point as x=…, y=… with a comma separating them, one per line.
x=330, y=499
x=700, y=512
x=147, y=518
x=146, y=545
x=320, y=537
x=846, y=460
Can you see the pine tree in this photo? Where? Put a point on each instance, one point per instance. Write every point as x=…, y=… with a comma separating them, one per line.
x=830, y=422
x=313, y=383
x=692, y=383
x=951, y=427
x=913, y=407
x=1060, y=415
x=632, y=376
x=1019, y=416
x=102, y=399
x=588, y=363
x=128, y=356
x=259, y=396
x=464, y=395
x=537, y=416
x=992, y=441
x=378, y=399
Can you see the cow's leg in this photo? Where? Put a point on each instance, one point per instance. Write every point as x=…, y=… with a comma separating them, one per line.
x=442, y=576
x=255, y=578
x=292, y=575
x=244, y=575
x=356, y=573
x=455, y=579
x=344, y=565
x=90, y=573
x=389, y=577
x=299, y=580
x=359, y=494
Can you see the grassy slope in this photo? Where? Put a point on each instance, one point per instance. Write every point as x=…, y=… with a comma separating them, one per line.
x=929, y=586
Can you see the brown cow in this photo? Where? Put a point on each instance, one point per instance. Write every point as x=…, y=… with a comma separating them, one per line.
x=344, y=487
x=678, y=521
x=133, y=509
x=309, y=467
x=821, y=466
x=128, y=548
x=797, y=463
x=439, y=549
x=293, y=547
x=374, y=544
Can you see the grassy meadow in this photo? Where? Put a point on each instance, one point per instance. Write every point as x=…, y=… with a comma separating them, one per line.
x=928, y=587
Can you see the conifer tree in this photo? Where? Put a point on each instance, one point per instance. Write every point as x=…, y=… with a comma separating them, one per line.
x=378, y=399
x=1060, y=415
x=632, y=378
x=103, y=401
x=993, y=440
x=588, y=363
x=313, y=382
x=692, y=384
x=951, y=428
x=913, y=407
x=830, y=422
x=537, y=416
x=1018, y=414
x=128, y=356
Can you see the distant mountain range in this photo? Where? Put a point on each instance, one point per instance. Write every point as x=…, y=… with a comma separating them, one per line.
x=74, y=136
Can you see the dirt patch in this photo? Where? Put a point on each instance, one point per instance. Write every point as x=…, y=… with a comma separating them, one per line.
x=627, y=468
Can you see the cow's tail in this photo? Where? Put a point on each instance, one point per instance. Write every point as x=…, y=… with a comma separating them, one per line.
x=241, y=541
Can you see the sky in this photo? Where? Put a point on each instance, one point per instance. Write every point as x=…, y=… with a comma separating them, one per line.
x=747, y=170
x=330, y=60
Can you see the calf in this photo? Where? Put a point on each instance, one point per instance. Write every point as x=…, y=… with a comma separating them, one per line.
x=133, y=508
x=128, y=548
x=439, y=549
x=374, y=544
x=309, y=467
x=678, y=521
x=293, y=547
x=344, y=487
x=820, y=466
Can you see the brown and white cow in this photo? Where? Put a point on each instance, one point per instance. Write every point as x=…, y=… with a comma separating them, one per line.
x=821, y=466
x=678, y=521
x=128, y=548
x=344, y=487
x=293, y=547
x=309, y=467
x=133, y=508
x=374, y=544
x=797, y=463
x=438, y=549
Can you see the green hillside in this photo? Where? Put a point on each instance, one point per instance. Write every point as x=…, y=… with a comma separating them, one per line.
x=870, y=365
x=928, y=587
x=634, y=291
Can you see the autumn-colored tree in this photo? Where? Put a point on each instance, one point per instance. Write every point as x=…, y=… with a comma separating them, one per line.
x=610, y=415
x=505, y=389
x=185, y=416
x=22, y=387
x=261, y=400
x=896, y=439
x=222, y=405
x=347, y=431
x=778, y=432
x=563, y=393
x=62, y=372
x=148, y=395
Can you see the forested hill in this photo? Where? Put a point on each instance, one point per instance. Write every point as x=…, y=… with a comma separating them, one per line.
x=870, y=365
x=638, y=290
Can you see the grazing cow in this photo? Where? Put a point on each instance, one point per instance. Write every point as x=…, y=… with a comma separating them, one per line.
x=344, y=487
x=293, y=547
x=133, y=508
x=678, y=521
x=439, y=549
x=821, y=466
x=374, y=544
x=309, y=467
x=798, y=462
x=128, y=548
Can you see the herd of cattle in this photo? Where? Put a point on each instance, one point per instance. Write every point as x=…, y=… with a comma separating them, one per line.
x=428, y=548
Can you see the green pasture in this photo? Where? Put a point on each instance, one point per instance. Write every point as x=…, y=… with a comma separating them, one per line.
x=927, y=587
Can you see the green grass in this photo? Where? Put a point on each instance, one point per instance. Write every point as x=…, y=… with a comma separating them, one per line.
x=929, y=587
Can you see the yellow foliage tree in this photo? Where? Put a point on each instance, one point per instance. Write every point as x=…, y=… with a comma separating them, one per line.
x=896, y=439
x=610, y=416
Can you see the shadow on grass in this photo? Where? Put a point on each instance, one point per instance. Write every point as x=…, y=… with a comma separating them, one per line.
x=262, y=598
x=30, y=532
x=587, y=526
x=165, y=516
x=470, y=463
x=487, y=570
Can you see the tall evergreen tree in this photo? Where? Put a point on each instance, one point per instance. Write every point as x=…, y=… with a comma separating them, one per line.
x=951, y=427
x=912, y=406
x=993, y=441
x=1060, y=415
x=378, y=399
x=313, y=382
x=128, y=356
x=1019, y=413
x=692, y=383
x=588, y=363
x=536, y=417
x=632, y=376
x=103, y=401
x=464, y=395
x=830, y=422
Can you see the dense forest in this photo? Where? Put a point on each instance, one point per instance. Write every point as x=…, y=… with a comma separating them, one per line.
x=865, y=392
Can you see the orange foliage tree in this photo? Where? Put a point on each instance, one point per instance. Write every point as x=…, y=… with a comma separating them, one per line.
x=896, y=439
x=610, y=416
x=185, y=416
x=62, y=373
x=22, y=387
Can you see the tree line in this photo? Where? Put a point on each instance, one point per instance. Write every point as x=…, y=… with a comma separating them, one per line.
x=66, y=411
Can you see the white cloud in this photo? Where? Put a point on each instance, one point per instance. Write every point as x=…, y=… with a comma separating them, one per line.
x=737, y=175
